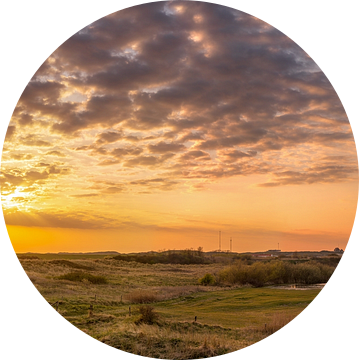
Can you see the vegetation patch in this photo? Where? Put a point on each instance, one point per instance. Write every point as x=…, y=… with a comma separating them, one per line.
x=207, y=279
x=148, y=315
x=142, y=297
x=158, y=342
x=83, y=277
x=185, y=257
x=276, y=272
x=276, y=323
x=70, y=264
x=176, y=317
x=102, y=318
x=27, y=257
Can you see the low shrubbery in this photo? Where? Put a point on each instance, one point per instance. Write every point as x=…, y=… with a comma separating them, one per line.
x=188, y=256
x=245, y=258
x=207, y=279
x=81, y=276
x=275, y=272
x=27, y=257
x=148, y=315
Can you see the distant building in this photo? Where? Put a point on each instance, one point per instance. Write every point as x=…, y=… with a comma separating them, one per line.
x=274, y=251
x=262, y=255
x=337, y=250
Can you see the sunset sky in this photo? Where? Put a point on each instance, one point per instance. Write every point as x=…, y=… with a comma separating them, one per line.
x=159, y=125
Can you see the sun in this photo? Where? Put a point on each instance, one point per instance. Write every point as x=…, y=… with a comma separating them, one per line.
x=15, y=199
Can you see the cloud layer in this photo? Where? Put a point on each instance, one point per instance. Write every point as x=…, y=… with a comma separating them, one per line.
x=172, y=95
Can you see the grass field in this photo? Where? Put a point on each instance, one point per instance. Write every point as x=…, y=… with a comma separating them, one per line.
x=228, y=318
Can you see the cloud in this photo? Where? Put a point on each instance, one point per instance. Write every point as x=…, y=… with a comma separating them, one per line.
x=55, y=153
x=119, y=153
x=10, y=180
x=235, y=155
x=147, y=161
x=57, y=219
x=312, y=175
x=25, y=119
x=156, y=183
x=163, y=147
x=21, y=156
x=34, y=140
x=10, y=132
x=109, y=137
x=84, y=195
x=109, y=162
x=201, y=94
x=195, y=155
x=113, y=189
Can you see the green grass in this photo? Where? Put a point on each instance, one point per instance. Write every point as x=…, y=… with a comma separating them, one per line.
x=235, y=308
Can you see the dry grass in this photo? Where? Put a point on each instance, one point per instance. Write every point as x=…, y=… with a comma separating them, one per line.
x=142, y=297
x=84, y=277
x=159, y=341
x=278, y=321
x=71, y=264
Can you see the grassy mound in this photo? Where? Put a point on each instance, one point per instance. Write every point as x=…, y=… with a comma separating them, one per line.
x=70, y=264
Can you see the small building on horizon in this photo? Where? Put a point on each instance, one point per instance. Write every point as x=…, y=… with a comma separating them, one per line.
x=263, y=255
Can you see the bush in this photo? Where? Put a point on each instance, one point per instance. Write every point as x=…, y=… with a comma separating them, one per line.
x=207, y=279
x=148, y=315
x=188, y=256
x=80, y=276
x=276, y=272
x=28, y=257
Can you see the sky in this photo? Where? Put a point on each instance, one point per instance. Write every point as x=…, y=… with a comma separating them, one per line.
x=162, y=124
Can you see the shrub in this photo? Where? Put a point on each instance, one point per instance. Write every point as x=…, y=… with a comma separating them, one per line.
x=207, y=279
x=276, y=272
x=28, y=257
x=80, y=276
x=148, y=315
x=188, y=256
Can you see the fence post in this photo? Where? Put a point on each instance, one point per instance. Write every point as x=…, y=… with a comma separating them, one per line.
x=91, y=310
x=57, y=303
x=129, y=310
